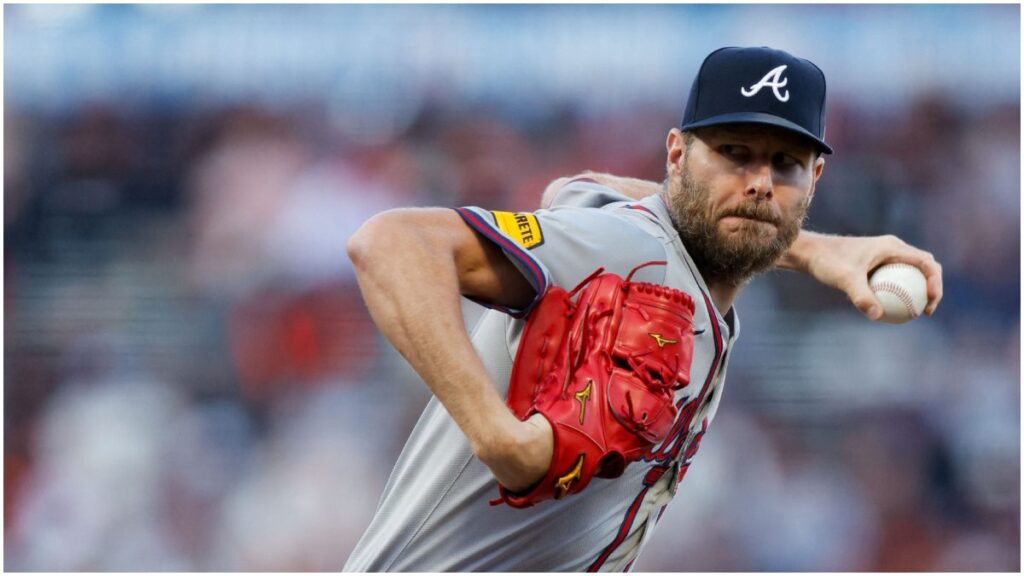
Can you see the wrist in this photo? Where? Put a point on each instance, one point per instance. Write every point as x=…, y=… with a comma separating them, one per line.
x=518, y=453
x=497, y=436
x=801, y=253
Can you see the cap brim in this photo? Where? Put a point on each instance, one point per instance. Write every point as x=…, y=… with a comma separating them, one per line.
x=758, y=118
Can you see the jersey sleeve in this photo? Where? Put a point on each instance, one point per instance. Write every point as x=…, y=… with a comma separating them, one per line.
x=565, y=244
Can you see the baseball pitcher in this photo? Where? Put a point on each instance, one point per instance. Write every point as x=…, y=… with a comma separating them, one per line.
x=562, y=426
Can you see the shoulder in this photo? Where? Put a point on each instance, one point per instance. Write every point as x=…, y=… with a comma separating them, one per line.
x=586, y=193
x=609, y=229
x=600, y=213
x=567, y=242
x=606, y=231
x=582, y=239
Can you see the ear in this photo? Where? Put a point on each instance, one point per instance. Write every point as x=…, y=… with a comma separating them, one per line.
x=819, y=167
x=675, y=147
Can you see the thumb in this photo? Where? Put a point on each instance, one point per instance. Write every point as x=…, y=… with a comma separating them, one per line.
x=864, y=299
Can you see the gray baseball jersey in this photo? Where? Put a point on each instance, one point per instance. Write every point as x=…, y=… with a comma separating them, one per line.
x=435, y=513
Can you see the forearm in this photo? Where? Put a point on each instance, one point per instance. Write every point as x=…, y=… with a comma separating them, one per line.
x=807, y=246
x=846, y=262
x=410, y=285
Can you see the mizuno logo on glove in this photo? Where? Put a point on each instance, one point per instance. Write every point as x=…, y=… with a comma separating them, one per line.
x=661, y=341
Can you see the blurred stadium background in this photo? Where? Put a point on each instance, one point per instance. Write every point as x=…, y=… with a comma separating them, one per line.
x=192, y=381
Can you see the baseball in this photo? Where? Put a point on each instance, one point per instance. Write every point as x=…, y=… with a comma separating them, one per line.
x=902, y=290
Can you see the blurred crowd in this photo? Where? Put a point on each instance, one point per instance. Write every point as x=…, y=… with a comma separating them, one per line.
x=193, y=383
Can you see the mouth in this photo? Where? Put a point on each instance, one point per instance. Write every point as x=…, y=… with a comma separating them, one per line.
x=739, y=217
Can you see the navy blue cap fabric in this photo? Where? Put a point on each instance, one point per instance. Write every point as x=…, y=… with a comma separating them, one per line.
x=761, y=86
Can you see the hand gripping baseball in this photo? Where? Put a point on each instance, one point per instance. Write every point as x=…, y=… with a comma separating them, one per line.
x=603, y=370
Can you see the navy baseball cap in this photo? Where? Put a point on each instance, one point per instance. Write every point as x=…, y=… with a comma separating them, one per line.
x=760, y=86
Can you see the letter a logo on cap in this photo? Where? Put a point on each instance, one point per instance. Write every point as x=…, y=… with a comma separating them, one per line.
x=773, y=79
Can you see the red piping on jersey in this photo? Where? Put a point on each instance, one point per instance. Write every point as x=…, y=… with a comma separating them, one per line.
x=644, y=208
x=660, y=514
x=623, y=531
x=514, y=250
x=627, y=522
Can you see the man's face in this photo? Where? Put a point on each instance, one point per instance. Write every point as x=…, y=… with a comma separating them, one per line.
x=738, y=195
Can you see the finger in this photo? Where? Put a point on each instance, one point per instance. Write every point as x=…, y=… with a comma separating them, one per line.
x=864, y=299
x=933, y=274
x=890, y=249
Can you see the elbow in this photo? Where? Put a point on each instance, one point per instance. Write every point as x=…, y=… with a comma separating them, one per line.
x=359, y=245
x=408, y=234
x=355, y=248
x=369, y=238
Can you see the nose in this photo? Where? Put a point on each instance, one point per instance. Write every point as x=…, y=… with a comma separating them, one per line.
x=759, y=183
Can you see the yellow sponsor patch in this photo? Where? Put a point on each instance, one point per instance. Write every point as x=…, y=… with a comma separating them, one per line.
x=521, y=227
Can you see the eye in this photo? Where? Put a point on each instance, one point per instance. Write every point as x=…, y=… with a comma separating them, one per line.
x=734, y=151
x=785, y=161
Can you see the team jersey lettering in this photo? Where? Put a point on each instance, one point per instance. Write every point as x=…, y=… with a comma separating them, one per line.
x=521, y=227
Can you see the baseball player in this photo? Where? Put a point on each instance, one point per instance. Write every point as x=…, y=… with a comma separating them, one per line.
x=561, y=428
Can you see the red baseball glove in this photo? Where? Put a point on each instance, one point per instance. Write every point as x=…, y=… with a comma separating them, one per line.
x=602, y=370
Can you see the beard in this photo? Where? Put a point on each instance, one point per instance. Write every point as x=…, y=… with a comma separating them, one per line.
x=723, y=257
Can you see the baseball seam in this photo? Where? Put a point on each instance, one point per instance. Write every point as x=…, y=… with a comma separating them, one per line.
x=899, y=292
